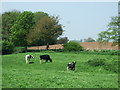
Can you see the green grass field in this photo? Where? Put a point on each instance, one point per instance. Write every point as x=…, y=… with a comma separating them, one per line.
x=17, y=74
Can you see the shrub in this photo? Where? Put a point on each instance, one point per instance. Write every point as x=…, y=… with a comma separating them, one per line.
x=19, y=50
x=96, y=62
x=107, y=64
x=102, y=52
x=7, y=47
x=72, y=46
x=115, y=52
x=113, y=66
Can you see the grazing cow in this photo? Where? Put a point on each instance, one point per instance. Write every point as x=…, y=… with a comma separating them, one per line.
x=28, y=57
x=71, y=66
x=45, y=57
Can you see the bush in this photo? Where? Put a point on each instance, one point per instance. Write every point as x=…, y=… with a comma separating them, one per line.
x=102, y=52
x=115, y=52
x=107, y=64
x=72, y=46
x=96, y=62
x=7, y=47
x=19, y=50
x=113, y=66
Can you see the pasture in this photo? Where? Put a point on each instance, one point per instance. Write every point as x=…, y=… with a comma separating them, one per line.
x=17, y=74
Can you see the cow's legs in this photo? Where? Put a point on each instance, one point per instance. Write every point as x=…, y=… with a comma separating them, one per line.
x=27, y=61
x=46, y=60
x=67, y=68
x=40, y=61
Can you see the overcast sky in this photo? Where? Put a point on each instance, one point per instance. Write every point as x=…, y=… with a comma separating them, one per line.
x=81, y=19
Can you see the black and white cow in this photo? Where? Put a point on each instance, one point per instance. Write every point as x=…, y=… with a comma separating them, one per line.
x=71, y=66
x=45, y=57
x=28, y=57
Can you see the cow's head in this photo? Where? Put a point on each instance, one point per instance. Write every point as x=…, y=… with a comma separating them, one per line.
x=74, y=62
x=31, y=56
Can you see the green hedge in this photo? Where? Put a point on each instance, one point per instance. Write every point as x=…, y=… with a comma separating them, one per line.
x=107, y=64
x=96, y=62
x=72, y=46
x=19, y=49
x=7, y=47
x=102, y=52
x=113, y=66
x=56, y=50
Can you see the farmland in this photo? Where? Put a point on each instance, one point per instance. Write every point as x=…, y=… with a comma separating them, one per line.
x=17, y=74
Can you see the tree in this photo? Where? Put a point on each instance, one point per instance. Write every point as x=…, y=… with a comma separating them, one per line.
x=47, y=30
x=89, y=39
x=21, y=28
x=112, y=33
x=72, y=46
x=0, y=24
x=0, y=34
x=62, y=40
x=81, y=40
x=7, y=47
x=0, y=21
x=8, y=20
x=39, y=15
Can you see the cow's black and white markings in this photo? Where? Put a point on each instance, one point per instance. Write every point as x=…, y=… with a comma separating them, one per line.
x=45, y=57
x=71, y=66
x=28, y=57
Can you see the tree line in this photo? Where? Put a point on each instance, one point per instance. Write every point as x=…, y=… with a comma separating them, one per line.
x=22, y=29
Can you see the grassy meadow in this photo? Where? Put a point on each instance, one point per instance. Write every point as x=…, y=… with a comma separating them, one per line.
x=17, y=74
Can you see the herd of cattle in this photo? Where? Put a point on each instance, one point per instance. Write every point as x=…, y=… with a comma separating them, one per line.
x=70, y=66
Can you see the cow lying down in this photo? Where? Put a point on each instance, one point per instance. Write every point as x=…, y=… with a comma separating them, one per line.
x=71, y=66
x=28, y=57
x=45, y=57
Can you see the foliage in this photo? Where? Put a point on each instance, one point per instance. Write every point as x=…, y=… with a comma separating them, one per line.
x=19, y=49
x=8, y=20
x=39, y=15
x=81, y=40
x=112, y=34
x=89, y=39
x=21, y=28
x=46, y=31
x=102, y=52
x=27, y=28
x=16, y=74
x=7, y=47
x=113, y=66
x=97, y=62
x=0, y=22
x=62, y=40
x=72, y=46
x=107, y=64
